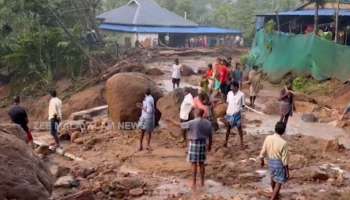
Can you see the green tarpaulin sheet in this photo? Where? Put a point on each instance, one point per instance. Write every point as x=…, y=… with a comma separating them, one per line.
x=280, y=53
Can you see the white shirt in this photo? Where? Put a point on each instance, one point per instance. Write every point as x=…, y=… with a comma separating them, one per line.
x=186, y=107
x=55, y=108
x=176, y=71
x=235, y=102
x=148, y=107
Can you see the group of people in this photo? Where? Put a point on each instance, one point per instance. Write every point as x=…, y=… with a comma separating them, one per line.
x=221, y=82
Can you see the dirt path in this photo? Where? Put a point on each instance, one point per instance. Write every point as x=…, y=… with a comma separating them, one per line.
x=232, y=173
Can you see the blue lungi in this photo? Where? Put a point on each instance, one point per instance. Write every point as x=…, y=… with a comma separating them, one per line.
x=234, y=120
x=278, y=171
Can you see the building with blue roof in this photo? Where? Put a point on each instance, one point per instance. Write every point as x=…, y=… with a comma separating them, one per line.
x=145, y=22
x=301, y=19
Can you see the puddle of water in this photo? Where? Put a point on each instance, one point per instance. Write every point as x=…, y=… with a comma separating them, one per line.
x=297, y=126
x=180, y=188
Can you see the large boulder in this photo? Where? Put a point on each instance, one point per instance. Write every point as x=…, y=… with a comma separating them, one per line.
x=187, y=71
x=13, y=129
x=124, y=91
x=23, y=175
x=154, y=72
x=169, y=105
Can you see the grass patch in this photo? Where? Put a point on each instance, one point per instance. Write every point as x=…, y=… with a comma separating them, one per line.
x=311, y=86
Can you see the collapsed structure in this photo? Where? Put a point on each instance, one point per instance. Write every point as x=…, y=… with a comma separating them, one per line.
x=144, y=22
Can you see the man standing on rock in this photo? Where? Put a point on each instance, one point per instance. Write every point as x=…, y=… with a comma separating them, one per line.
x=55, y=116
x=19, y=116
x=147, y=119
x=277, y=152
x=176, y=74
x=200, y=133
x=185, y=111
x=236, y=104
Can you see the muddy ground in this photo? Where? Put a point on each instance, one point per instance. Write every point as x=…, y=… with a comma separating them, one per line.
x=108, y=165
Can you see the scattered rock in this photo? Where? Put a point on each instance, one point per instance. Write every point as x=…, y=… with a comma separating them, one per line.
x=154, y=72
x=318, y=175
x=58, y=171
x=43, y=150
x=309, y=117
x=82, y=195
x=124, y=91
x=23, y=174
x=75, y=136
x=79, y=141
x=333, y=146
x=66, y=182
x=136, y=192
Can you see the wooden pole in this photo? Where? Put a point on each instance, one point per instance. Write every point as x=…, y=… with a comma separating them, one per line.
x=337, y=22
x=316, y=17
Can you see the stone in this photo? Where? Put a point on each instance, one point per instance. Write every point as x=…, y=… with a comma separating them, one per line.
x=318, y=175
x=43, y=149
x=333, y=146
x=81, y=195
x=75, y=136
x=124, y=91
x=13, y=129
x=79, y=141
x=309, y=117
x=187, y=71
x=23, y=174
x=58, y=171
x=65, y=182
x=136, y=192
x=154, y=72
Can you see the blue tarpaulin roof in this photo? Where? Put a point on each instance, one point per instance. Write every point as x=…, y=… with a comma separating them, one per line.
x=163, y=29
x=321, y=12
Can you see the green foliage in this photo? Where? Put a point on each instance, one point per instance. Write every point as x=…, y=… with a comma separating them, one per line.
x=308, y=86
x=244, y=59
x=36, y=51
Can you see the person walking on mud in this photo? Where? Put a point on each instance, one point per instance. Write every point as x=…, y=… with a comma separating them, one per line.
x=233, y=118
x=200, y=133
x=185, y=111
x=19, y=116
x=254, y=85
x=55, y=116
x=286, y=103
x=276, y=149
x=176, y=73
x=147, y=119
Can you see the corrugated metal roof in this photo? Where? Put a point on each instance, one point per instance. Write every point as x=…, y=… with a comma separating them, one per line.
x=144, y=12
x=162, y=29
x=321, y=12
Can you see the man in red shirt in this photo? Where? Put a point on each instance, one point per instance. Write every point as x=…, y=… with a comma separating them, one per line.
x=224, y=78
